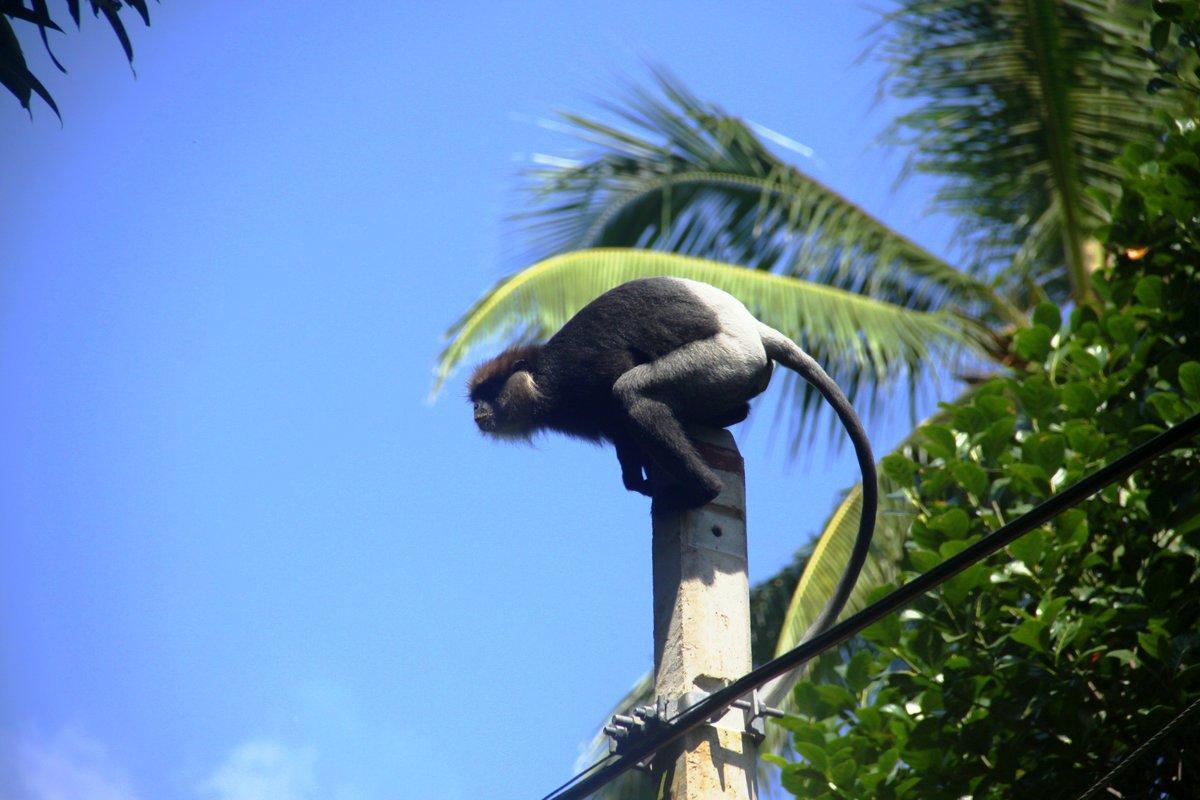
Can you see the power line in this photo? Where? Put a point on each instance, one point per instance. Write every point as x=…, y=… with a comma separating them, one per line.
x=1140, y=751
x=596, y=776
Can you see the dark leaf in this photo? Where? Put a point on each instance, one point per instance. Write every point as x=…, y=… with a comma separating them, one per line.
x=40, y=7
x=140, y=7
x=1160, y=34
x=119, y=29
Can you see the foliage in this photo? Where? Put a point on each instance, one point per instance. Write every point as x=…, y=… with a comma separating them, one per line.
x=1035, y=674
x=14, y=72
x=1175, y=48
x=1023, y=105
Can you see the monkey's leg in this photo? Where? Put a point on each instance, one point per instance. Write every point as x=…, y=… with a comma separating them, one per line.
x=705, y=379
x=732, y=417
x=658, y=432
x=662, y=436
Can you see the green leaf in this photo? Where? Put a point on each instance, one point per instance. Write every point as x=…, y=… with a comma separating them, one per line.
x=1029, y=548
x=813, y=754
x=1044, y=449
x=923, y=560
x=1189, y=379
x=1149, y=291
x=939, y=441
x=998, y=435
x=1029, y=633
x=971, y=477
x=1033, y=344
x=1048, y=316
x=1167, y=406
x=953, y=523
x=843, y=773
x=1160, y=34
x=1083, y=359
x=1121, y=328
x=1079, y=398
x=1153, y=644
x=994, y=407
x=885, y=633
x=1126, y=657
x=858, y=671
x=969, y=419
x=1083, y=438
x=1169, y=10
x=899, y=468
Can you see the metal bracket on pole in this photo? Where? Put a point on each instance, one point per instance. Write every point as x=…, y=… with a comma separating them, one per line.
x=756, y=713
x=624, y=729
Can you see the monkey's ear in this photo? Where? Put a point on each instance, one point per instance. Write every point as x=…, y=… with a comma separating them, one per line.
x=520, y=365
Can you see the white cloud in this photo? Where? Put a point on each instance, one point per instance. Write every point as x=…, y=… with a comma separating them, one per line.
x=264, y=770
x=70, y=766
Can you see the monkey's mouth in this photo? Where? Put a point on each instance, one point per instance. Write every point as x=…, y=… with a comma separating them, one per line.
x=486, y=423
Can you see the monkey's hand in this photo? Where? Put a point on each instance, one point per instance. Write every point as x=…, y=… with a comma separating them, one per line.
x=634, y=470
x=635, y=482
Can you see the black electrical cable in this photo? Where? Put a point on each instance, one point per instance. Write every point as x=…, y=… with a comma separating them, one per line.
x=1141, y=751
x=583, y=784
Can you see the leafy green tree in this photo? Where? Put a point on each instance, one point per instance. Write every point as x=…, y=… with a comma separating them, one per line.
x=1035, y=674
x=14, y=71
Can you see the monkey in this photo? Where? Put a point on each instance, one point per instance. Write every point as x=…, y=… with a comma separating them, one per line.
x=641, y=363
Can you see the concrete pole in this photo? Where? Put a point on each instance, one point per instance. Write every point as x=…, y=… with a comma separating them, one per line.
x=702, y=629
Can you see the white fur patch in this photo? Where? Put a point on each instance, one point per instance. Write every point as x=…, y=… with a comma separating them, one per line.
x=711, y=375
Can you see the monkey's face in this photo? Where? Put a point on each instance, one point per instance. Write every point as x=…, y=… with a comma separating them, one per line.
x=504, y=405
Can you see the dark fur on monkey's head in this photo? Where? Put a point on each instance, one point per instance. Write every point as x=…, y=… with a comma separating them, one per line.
x=504, y=393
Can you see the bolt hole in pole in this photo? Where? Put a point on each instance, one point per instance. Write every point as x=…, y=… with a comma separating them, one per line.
x=716, y=530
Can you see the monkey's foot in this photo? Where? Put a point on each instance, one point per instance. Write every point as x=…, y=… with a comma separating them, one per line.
x=641, y=486
x=676, y=497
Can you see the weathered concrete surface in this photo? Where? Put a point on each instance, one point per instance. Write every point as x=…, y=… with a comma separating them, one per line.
x=702, y=629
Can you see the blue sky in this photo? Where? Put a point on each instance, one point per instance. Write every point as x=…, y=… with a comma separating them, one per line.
x=242, y=557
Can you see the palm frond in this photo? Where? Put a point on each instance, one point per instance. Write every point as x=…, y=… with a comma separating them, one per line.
x=680, y=175
x=865, y=344
x=1024, y=104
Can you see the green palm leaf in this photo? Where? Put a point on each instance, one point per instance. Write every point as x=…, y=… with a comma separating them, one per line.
x=1024, y=106
x=683, y=176
x=862, y=341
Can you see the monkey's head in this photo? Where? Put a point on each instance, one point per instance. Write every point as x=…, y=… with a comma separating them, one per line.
x=504, y=393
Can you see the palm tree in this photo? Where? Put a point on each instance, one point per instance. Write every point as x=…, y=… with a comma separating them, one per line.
x=1023, y=105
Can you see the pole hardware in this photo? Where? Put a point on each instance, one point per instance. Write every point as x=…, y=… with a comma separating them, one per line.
x=756, y=712
x=625, y=729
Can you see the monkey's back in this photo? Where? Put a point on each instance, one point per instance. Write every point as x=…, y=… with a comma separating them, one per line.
x=634, y=323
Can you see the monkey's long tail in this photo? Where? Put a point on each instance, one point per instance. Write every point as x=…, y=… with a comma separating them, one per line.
x=786, y=352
